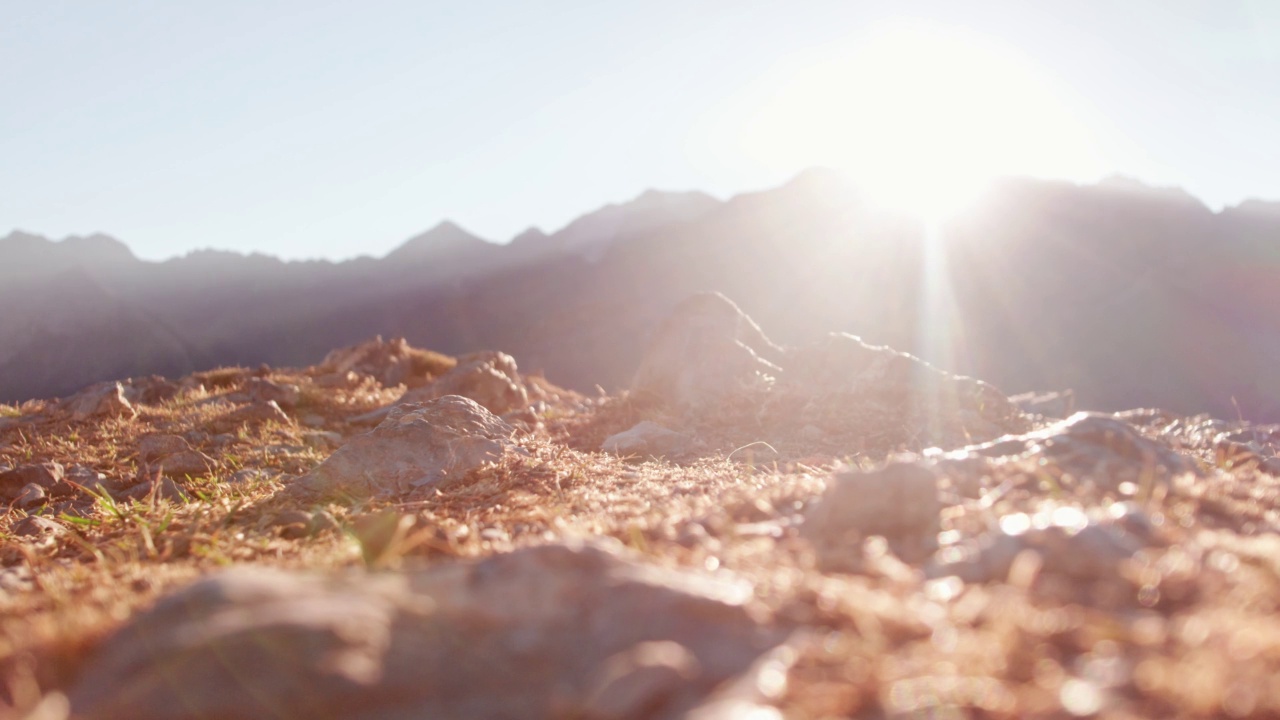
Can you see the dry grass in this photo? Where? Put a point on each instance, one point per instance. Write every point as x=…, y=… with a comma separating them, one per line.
x=1186, y=630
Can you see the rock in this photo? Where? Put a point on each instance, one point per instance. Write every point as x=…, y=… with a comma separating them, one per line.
x=157, y=447
x=433, y=443
x=34, y=526
x=254, y=414
x=899, y=502
x=705, y=351
x=261, y=390
x=45, y=475
x=535, y=633
x=174, y=456
x=31, y=495
x=648, y=439
x=151, y=390
x=103, y=400
x=391, y=363
x=1068, y=542
x=846, y=384
x=1054, y=405
x=1090, y=447
x=85, y=477
x=489, y=378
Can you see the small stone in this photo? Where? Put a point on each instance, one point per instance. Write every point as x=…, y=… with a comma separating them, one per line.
x=254, y=414
x=648, y=439
x=489, y=378
x=99, y=401
x=261, y=390
x=158, y=447
x=899, y=502
x=30, y=496
x=34, y=526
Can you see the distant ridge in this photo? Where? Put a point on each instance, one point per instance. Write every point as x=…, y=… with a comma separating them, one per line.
x=1049, y=285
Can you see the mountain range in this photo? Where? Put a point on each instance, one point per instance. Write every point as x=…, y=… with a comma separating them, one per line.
x=1127, y=294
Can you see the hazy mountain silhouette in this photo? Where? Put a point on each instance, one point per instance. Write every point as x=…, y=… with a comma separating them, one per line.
x=1129, y=294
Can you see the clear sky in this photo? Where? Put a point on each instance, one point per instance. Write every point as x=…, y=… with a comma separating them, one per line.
x=330, y=129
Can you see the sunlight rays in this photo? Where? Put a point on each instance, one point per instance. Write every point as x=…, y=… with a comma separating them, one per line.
x=922, y=117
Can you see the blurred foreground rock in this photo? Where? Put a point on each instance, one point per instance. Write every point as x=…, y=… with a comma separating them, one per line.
x=548, y=632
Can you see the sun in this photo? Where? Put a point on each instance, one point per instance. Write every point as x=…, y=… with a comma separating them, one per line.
x=921, y=117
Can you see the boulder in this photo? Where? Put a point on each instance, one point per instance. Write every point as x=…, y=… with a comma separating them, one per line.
x=648, y=439
x=432, y=443
x=899, y=502
x=845, y=384
x=103, y=400
x=1088, y=447
x=544, y=632
x=706, y=351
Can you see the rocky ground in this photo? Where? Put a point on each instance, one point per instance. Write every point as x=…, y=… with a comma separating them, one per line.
x=837, y=530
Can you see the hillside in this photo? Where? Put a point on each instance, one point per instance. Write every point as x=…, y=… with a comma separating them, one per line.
x=1043, y=285
x=752, y=529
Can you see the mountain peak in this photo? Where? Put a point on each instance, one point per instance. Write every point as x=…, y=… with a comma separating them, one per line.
x=446, y=237
x=531, y=234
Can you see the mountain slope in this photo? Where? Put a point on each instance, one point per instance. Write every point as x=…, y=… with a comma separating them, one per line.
x=1129, y=295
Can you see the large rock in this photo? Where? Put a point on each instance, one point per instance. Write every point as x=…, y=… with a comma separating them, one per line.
x=705, y=351
x=104, y=400
x=710, y=358
x=844, y=381
x=490, y=378
x=547, y=632
x=432, y=443
x=1087, y=448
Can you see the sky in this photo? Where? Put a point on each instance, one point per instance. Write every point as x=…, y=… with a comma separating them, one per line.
x=309, y=129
